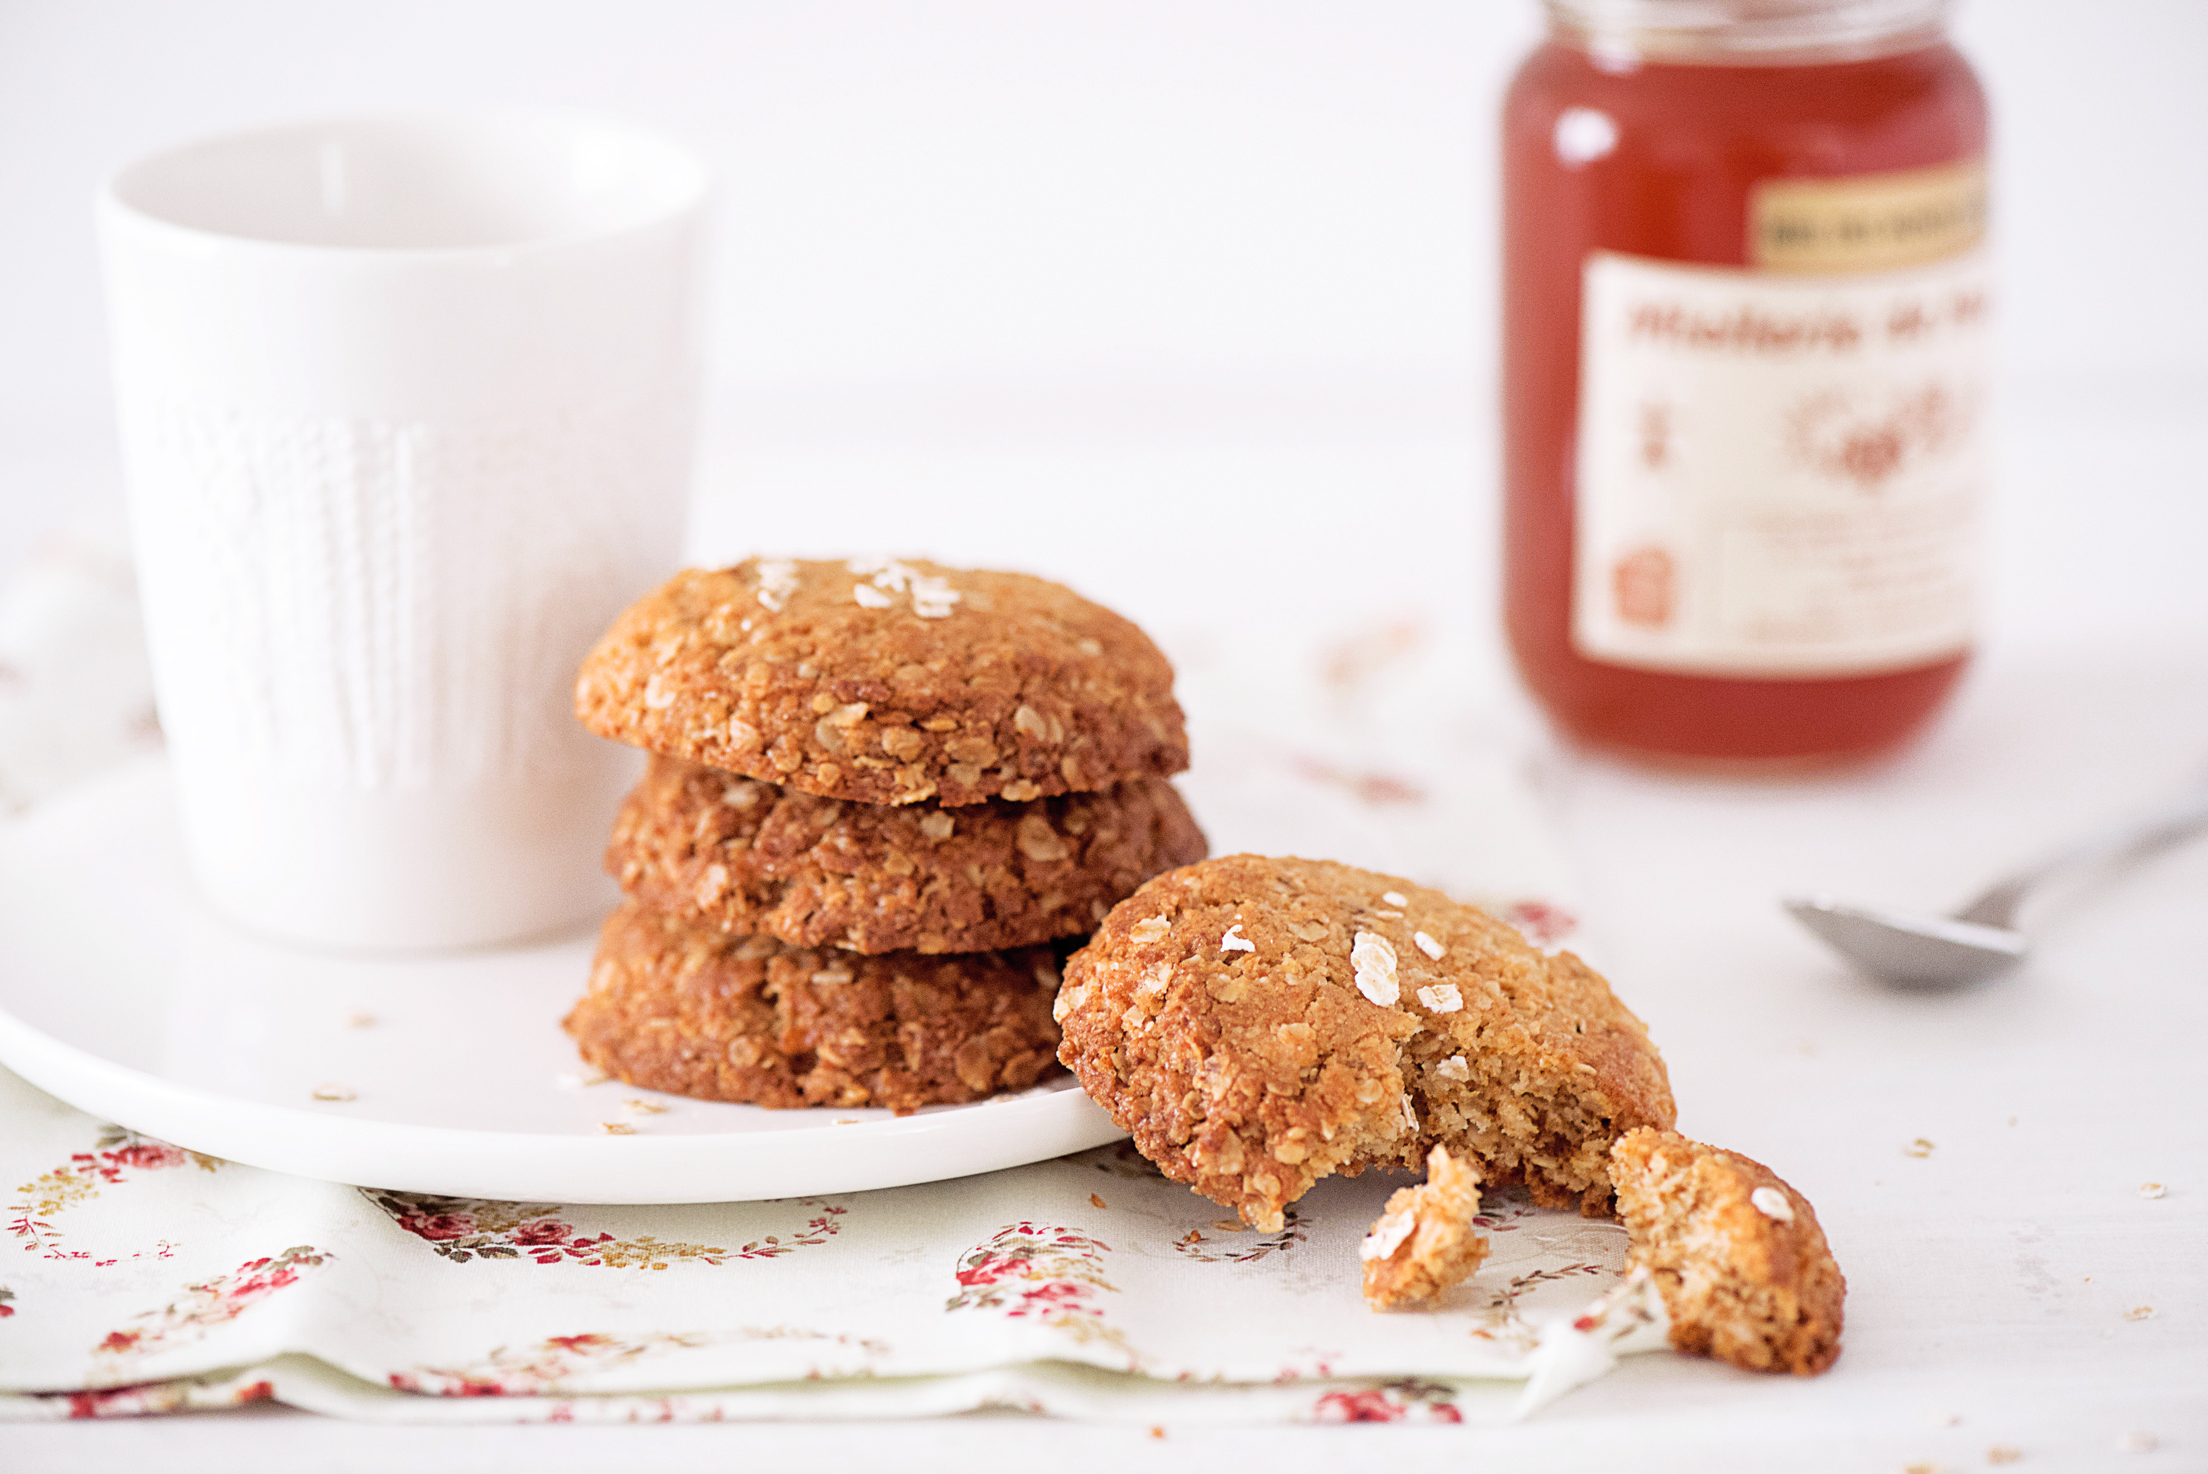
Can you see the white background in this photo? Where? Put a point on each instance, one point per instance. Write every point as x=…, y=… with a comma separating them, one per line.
x=1023, y=279
x=1193, y=303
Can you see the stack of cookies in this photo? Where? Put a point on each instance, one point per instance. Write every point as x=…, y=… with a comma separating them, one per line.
x=885, y=799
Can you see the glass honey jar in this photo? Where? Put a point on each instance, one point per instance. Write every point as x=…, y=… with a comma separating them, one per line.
x=1745, y=356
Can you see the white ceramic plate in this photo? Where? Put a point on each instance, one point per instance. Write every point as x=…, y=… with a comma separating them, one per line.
x=121, y=993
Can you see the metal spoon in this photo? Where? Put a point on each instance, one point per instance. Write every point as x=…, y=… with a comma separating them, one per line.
x=1981, y=939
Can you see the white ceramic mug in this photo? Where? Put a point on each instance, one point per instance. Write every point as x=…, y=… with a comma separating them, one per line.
x=407, y=407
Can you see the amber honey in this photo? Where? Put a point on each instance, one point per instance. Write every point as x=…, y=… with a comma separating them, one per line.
x=1674, y=159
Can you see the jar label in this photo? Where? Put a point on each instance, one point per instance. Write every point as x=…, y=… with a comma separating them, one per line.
x=1778, y=475
x=1868, y=222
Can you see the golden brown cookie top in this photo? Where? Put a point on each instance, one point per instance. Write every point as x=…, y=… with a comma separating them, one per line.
x=1257, y=1023
x=886, y=682
x=1738, y=1255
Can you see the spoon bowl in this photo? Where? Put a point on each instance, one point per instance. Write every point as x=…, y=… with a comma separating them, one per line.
x=1909, y=950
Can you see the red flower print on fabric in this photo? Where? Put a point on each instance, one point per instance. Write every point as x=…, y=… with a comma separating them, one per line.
x=1392, y=1402
x=544, y=1231
x=467, y=1229
x=1368, y=1406
x=182, y=1394
x=213, y=1302
x=147, y=1155
x=1041, y=1272
x=550, y=1365
x=438, y=1227
x=116, y=1153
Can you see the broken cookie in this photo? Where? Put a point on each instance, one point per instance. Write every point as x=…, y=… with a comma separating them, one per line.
x=1743, y=1268
x=1426, y=1239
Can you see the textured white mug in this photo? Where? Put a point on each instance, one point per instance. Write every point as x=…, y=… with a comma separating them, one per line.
x=407, y=407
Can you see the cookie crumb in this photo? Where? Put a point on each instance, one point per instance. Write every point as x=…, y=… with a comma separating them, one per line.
x=845, y=1121
x=1424, y=1242
x=1096, y=1200
x=1429, y=946
x=1156, y=1431
x=617, y=1128
x=2002, y=1453
x=1772, y=1204
x=1374, y=961
x=1918, y=1148
x=1921, y=1466
x=2140, y=1312
x=2136, y=1442
x=360, y=1021
x=1193, y=1236
x=334, y=1092
x=2152, y=1190
x=1234, y=941
x=646, y=1107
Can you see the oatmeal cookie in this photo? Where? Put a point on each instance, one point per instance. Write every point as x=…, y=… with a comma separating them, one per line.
x=695, y=1011
x=1425, y=1239
x=1256, y=1024
x=748, y=856
x=886, y=682
x=1744, y=1269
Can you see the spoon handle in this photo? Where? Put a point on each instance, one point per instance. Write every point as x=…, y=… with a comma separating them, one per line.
x=2184, y=816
